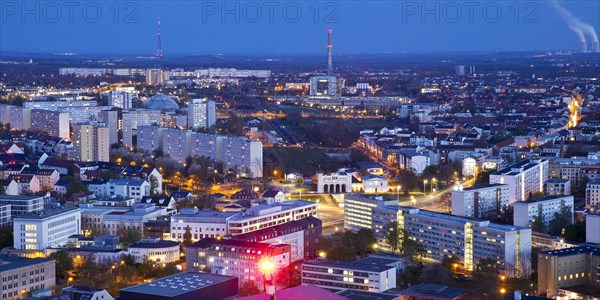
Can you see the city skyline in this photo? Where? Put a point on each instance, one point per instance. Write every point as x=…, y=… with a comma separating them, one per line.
x=255, y=28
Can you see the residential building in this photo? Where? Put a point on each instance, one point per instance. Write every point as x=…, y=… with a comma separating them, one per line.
x=358, y=210
x=110, y=119
x=183, y=286
x=5, y=215
x=47, y=177
x=241, y=154
x=55, y=123
x=149, y=138
x=302, y=235
x=156, y=76
x=592, y=228
x=26, y=184
x=91, y=142
x=545, y=208
x=524, y=178
x=368, y=274
x=134, y=118
x=442, y=235
x=47, y=228
x=480, y=201
x=565, y=268
x=125, y=188
x=22, y=205
x=592, y=193
x=235, y=258
x=216, y=224
x=121, y=99
x=116, y=221
x=22, y=275
x=417, y=160
x=155, y=250
x=373, y=184
x=324, y=86
x=146, y=174
x=273, y=196
x=201, y=113
x=557, y=186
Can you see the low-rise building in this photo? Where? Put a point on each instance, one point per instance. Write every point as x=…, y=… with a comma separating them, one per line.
x=335, y=183
x=557, y=186
x=21, y=205
x=544, y=208
x=46, y=228
x=302, y=235
x=116, y=221
x=183, y=286
x=155, y=250
x=565, y=268
x=373, y=184
x=22, y=275
x=364, y=274
x=236, y=258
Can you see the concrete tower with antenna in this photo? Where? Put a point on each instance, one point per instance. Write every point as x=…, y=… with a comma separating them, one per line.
x=159, y=51
x=329, y=53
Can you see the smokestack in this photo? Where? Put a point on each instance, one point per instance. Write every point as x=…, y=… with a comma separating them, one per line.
x=329, y=54
x=584, y=48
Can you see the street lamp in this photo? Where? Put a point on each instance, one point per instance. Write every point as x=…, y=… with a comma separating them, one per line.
x=267, y=268
x=424, y=185
x=398, y=188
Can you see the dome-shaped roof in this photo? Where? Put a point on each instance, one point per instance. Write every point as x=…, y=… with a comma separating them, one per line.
x=161, y=102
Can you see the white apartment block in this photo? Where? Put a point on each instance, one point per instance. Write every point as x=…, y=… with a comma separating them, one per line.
x=557, y=186
x=110, y=118
x=91, y=142
x=214, y=224
x=353, y=275
x=545, y=208
x=22, y=205
x=417, y=161
x=84, y=114
x=201, y=113
x=202, y=144
x=57, y=105
x=55, y=123
x=592, y=228
x=358, y=210
x=592, y=193
x=479, y=202
x=46, y=228
x=523, y=178
x=442, y=235
x=334, y=183
x=175, y=143
x=125, y=188
x=18, y=117
x=133, y=119
x=5, y=215
x=241, y=154
x=149, y=138
x=121, y=99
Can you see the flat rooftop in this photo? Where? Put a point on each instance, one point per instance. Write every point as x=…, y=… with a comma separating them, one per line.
x=11, y=262
x=48, y=213
x=350, y=265
x=362, y=295
x=178, y=284
x=433, y=291
x=573, y=251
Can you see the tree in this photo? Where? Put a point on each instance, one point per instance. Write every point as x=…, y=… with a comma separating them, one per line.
x=6, y=237
x=64, y=263
x=2, y=190
x=537, y=224
x=75, y=187
x=128, y=236
x=153, y=185
x=412, y=248
x=364, y=241
x=187, y=236
x=575, y=232
x=392, y=236
x=486, y=267
x=561, y=219
x=248, y=288
x=185, y=203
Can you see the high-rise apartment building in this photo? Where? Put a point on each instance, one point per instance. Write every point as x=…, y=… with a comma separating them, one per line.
x=480, y=201
x=524, y=178
x=91, y=142
x=55, y=123
x=201, y=113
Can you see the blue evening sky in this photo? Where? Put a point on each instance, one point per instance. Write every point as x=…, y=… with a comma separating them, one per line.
x=289, y=27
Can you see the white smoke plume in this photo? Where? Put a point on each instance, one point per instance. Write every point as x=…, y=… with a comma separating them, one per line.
x=579, y=27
